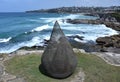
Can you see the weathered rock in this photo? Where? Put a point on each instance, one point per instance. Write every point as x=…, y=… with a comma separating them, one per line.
x=58, y=59
x=80, y=77
x=109, y=23
x=111, y=41
x=7, y=77
x=1, y=70
x=1, y=57
x=17, y=80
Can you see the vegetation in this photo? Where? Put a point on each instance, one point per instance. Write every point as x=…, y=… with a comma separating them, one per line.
x=116, y=15
x=28, y=67
x=77, y=10
x=96, y=70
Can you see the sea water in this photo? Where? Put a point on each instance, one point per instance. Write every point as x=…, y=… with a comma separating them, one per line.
x=31, y=29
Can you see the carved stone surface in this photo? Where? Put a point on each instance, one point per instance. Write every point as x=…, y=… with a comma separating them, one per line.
x=58, y=59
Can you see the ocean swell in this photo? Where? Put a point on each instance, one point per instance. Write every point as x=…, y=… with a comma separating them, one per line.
x=36, y=36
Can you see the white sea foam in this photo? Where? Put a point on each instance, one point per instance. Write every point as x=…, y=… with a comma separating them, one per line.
x=34, y=20
x=88, y=31
x=53, y=19
x=40, y=28
x=92, y=32
x=34, y=41
x=5, y=40
x=78, y=40
x=71, y=16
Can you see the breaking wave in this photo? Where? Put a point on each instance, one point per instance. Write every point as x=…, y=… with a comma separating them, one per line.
x=5, y=40
x=40, y=32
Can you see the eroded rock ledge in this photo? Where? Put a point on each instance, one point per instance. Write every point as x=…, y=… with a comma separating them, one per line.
x=110, y=24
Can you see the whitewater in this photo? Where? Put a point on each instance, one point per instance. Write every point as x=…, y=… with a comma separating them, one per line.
x=19, y=30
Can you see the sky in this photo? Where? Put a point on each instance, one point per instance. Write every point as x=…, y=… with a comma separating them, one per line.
x=25, y=5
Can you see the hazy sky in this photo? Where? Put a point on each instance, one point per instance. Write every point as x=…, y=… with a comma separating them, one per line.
x=23, y=5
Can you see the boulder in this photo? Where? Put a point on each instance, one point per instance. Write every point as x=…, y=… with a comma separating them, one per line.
x=58, y=59
x=109, y=41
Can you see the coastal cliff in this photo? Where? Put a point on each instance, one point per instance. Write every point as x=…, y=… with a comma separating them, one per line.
x=111, y=20
x=78, y=10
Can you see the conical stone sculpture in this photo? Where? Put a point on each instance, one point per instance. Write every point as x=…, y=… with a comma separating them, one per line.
x=58, y=59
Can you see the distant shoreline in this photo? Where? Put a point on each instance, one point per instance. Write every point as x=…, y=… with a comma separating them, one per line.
x=75, y=10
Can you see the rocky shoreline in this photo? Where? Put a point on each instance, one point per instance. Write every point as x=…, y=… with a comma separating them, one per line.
x=104, y=44
x=110, y=22
x=109, y=16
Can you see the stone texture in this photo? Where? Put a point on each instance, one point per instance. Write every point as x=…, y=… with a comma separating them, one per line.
x=17, y=80
x=109, y=23
x=7, y=77
x=1, y=70
x=109, y=57
x=109, y=41
x=1, y=57
x=58, y=59
x=80, y=77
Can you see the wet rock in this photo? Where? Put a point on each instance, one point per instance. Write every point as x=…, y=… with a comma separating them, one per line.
x=103, y=40
x=111, y=41
x=58, y=59
x=109, y=23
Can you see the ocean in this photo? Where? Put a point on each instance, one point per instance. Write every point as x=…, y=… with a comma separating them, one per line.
x=19, y=30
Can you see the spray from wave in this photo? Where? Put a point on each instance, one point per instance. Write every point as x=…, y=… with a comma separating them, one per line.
x=5, y=40
x=35, y=41
x=40, y=28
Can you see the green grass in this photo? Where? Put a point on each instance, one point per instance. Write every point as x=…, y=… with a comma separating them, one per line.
x=96, y=69
x=28, y=67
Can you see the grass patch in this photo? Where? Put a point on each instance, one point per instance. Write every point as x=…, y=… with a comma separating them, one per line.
x=28, y=67
x=96, y=69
